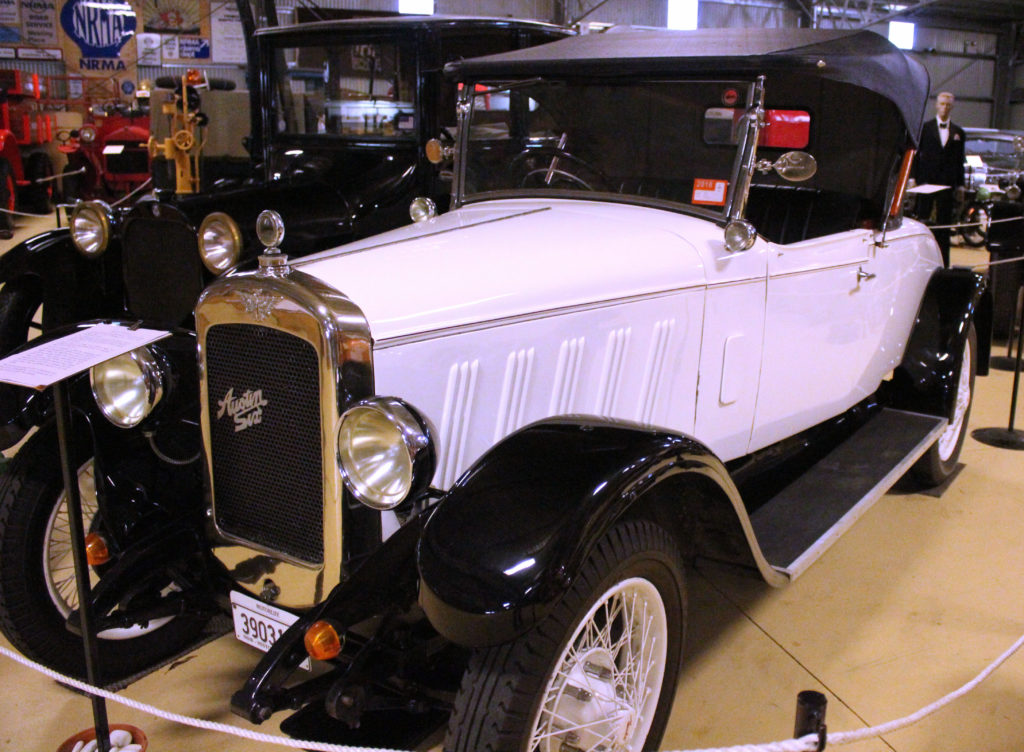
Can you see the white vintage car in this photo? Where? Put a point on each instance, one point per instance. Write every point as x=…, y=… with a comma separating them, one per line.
x=673, y=313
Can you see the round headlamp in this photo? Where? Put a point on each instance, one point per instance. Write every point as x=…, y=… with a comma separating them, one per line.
x=385, y=452
x=90, y=227
x=422, y=209
x=220, y=242
x=87, y=134
x=128, y=387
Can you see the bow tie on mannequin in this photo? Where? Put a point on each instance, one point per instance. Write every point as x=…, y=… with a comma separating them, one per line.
x=943, y=125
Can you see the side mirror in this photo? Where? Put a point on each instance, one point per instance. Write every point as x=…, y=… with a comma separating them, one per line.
x=794, y=166
x=437, y=152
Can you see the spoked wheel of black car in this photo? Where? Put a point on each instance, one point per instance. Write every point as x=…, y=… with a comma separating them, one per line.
x=939, y=462
x=38, y=588
x=599, y=672
x=975, y=230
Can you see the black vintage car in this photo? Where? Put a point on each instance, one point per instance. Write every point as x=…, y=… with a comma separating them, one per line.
x=342, y=112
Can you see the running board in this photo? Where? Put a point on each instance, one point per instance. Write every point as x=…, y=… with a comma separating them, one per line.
x=799, y=524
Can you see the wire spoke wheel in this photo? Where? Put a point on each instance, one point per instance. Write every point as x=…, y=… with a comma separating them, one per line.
x=58, y=562
x=598, y=672
x=604, y=689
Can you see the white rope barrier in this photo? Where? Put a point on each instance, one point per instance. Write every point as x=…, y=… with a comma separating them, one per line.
x=975, y=224
x=807, y=743
x=129, y=195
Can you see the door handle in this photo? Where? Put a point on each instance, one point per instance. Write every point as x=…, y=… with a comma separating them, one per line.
x=863, y=275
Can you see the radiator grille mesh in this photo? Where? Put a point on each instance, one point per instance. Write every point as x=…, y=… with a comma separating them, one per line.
x=162, y=271
x=266, y=457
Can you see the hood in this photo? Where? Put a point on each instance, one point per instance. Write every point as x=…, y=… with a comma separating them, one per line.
x=507, y=259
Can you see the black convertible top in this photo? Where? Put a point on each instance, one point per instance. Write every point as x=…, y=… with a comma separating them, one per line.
x=861, y=58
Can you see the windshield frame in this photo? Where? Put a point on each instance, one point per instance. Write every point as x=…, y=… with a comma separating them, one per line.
x=404, y=40
x=740, y=173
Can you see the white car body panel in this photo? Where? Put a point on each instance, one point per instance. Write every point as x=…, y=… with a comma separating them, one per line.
x=523, y=330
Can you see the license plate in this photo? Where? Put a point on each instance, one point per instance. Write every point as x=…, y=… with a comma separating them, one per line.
x=260, y=624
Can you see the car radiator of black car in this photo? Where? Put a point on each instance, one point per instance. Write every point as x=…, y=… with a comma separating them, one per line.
x=265, y=439
x=163, y=273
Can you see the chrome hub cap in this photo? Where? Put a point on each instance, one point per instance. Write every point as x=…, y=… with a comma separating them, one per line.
x=604, y=689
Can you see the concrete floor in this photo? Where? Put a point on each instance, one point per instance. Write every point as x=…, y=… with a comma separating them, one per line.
x=909, y=605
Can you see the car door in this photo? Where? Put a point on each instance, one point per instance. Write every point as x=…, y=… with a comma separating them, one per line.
x=819, y=338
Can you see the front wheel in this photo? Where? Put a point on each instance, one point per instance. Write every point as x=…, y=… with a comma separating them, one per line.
x=939, y=462
x=38, y=587
x=599, y=672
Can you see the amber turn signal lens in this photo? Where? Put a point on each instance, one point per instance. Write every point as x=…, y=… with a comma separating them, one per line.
x=96, y=551
x=193, y=77
x=322, y=641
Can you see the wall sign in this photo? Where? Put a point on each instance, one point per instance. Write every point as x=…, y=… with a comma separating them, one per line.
x=39, y=22
x=99, y=29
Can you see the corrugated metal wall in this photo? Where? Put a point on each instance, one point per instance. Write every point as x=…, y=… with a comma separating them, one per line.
x=712, y=14
x=962, y=62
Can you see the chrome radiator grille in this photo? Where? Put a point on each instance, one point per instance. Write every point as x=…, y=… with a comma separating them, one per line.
x=265, y=434
x=162, y=271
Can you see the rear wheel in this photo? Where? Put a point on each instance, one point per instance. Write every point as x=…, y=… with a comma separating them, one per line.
x=38, y=587
x=8, y=196
x=598, y=672
x=939, y=462
x=38, y=171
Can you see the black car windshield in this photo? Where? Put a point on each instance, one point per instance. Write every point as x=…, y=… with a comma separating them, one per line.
x=361, y=90
x=657, y=141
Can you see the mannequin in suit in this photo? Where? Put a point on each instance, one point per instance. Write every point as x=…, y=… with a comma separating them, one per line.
x=940, y=160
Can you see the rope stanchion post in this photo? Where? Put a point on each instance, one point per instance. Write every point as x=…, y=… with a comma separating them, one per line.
x=810, y=716
x=63, y=417
x=1010, y=437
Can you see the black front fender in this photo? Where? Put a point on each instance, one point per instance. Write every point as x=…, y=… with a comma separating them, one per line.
x=73, y=288
x=510, y=537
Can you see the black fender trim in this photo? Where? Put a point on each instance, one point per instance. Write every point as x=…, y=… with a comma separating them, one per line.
x=510, y=537
x=925, y=381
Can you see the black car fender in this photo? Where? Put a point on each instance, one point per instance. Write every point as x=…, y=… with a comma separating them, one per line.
x=54, y=274
x=511, y=535
x=926, y=379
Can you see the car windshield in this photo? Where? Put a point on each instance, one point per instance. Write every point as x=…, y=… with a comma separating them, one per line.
x=659, y=141
x=362, y=90
x=989, y=146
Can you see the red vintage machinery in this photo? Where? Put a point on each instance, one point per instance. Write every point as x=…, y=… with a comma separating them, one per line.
x=26, y=169
x=108, y=155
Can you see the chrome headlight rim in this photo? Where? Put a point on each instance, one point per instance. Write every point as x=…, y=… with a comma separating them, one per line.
x=150, y=377
x=219, y=261
x=91, y=243
x=414, y=452
x=87, y=134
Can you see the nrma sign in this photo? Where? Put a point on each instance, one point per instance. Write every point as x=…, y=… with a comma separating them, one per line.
x=100, y=28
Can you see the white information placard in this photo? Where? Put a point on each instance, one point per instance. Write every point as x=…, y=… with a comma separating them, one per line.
x=925, y=188
x=54, y=361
